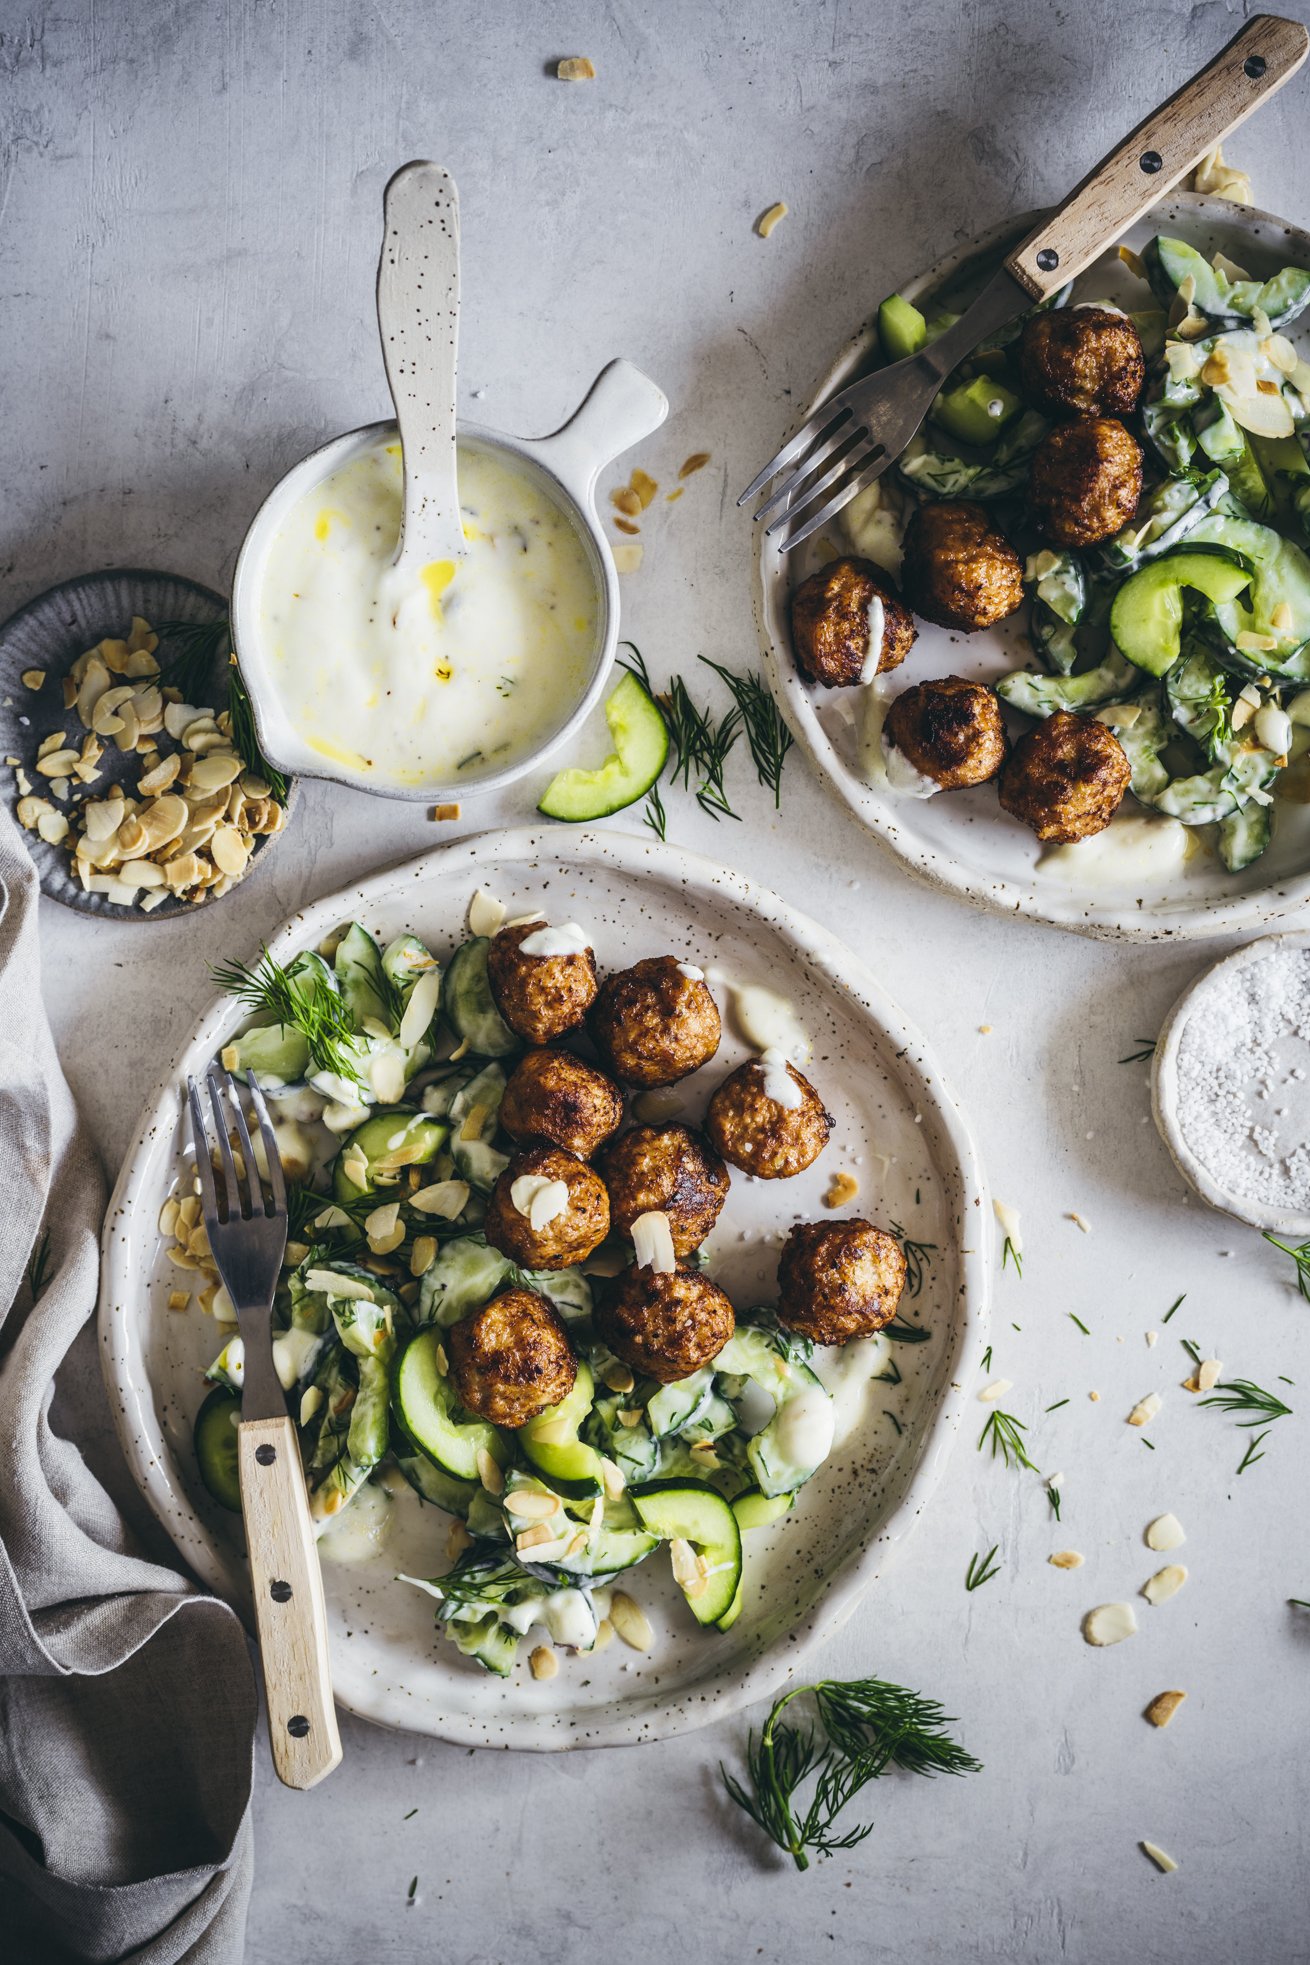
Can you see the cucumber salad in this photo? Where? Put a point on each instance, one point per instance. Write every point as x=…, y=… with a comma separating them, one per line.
x=385, y=1071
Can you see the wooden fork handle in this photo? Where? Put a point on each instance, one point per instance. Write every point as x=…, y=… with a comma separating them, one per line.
x=1172, y=141
x=289, y=1610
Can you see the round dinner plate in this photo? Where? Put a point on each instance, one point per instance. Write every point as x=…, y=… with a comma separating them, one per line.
x=963, y=842
x=897, y=1129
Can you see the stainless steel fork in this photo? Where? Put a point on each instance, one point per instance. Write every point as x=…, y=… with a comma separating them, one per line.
x=248, y=1237
x=852, y=439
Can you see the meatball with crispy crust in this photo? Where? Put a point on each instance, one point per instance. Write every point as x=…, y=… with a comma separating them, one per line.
x=665, y=1324
x=836, y=628
x=512, y=1359
x=548, y=1210
x=1081, y=361
x=957, y=569
x=770, y=1136
x=1085, y=481
x=539, y=996
x=839, y=1279
x=655, y=1022
x=553, y=1096
x=667, y=1168
x=1065, y=779
x=949, y=730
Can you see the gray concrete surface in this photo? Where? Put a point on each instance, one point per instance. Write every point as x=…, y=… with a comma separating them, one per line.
x=189, y=210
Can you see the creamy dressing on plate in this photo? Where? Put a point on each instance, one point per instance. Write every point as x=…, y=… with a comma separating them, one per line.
x=1128, y=849
x=468, y=667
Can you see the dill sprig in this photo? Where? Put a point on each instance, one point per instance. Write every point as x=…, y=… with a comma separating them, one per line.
x=1081, y=1325
x=1216, y=709
x=918, y=1258
x=1300, y=1254
x=198, y=645
x=978, y=1571
x=1057, y=1405
x=246, y=737
x=1177, y=1302
x=1146, y=1050
x=987, y=1359
x=865, y=1726
x=1240, y=1395
x=38, y=1263
x=1053, y=1496
x=702, y=745
x=902, y=1333
x=304, y=1001
x=1005, y=1433
x=655, y=816
x=766, y=733
x=1009, y=1253
x=1250, y=1457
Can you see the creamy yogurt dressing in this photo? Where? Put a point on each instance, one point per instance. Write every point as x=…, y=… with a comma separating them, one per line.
x=877, y=619
x=1127, y=849
x=472, y=663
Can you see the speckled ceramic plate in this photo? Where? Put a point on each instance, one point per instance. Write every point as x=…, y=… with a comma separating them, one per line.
x=49, y=634
x=962, y=841
x=897, y=1128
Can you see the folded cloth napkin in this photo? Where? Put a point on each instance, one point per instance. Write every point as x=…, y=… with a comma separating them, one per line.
x=127, y=1698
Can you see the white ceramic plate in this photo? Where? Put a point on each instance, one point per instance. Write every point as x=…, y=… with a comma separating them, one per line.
x=962, y=841
x=897, y=1127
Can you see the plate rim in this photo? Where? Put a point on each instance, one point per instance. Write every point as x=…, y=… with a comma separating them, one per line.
x=141, y=1437
x=1109, y=921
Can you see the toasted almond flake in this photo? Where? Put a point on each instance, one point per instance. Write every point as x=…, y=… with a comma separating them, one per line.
x=703, y=1451
x=54, y=742
x=1009, y=1220
x=682, y=1556
x=422, y=1255
x=444, y=814
x=1165, y=1532
x=1094, y=1397
x=486, y=914
x=626, y=525
x=618, y=1376
x=1152, y=1339
x=1109, y=1623
x=1079, y=1222
x=628, y=556
x=1158, y=1857
x=32, y=810
x=1208, y=1374
x=604, y=1634
x=767, y=220
x=652, y=1242
x=230, y=851
x=576, y=68
x=532, y=1538
x=168, y=1216
x=57, y=764
x=489, y=1473
x=182, y=1258
x=612, y=1479
x=996, y=1390
x=1066, y=1559
x=1166, y=1583
x=530, y=1504
x=696, y=462
x=446, y=1198
x=626, y=501
x=178, y=1299
x=842, y=1190
x=631, y=1416
x=630, y=1622
x=53, y=828
x=542, y=1662
x=33, y=678
x=539, y=1200
x=457, y=1540
x=1145, y=1410
x=1163, y=1707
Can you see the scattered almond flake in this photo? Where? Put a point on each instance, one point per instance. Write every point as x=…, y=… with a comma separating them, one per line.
x=842, y=1189
x=457, y=1540
x=53, y=828
x=1145, y=1410
x=542, y=1662
x=630, y=1622
x=446, y=1198
x=1066, y=1559
x=652, y=1242
x=1094, y=1397
x=1009, y=1220
x=1054, y=1480
x=296, y=1252
x=311, y=1399
x=1109, y=1623
x=532, y=1538
x=996, y=1390
x=766, y=221
x=1079, y=1222
x=696, y=462
x=576, y=68
x=56, y=764
x=1165, y=1532
x=1166, y=1583
x=22, y=780
x=442, y=1361
x=539, y=1200
x=618, y=1377
x=1163, y=1707
x=486, y=915
x=703, y=1451
x=1132, y=261
x=612, y=1479
x=444, y=814
x=489, y=1473
x=1152, y=1339
x=644, y=486
x=531, y=1505
x=168, y=1215
x=627, y=526
x=984, y=1030
x=628, y=556
x=178, y=1299
x=384, y=1228
x=630, y=1416
x=54, y=742
x=625, y=500
x=230, y=1057
x=672, y=497
x=33, y=678
x=604, y=1634
x=1208, y=1374
x=422, y=1255
x=1158, y=1857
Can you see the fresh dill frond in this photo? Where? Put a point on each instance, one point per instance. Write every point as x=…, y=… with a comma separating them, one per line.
x=38, y=1263
x=1081, y=1325
x=1300, y=1254
x=635, y=663
x=891, y=1376
x=1215, y=710
x=702, y=745
x=888, y=1414
x=767, y=735
x=1191, y=1349
x=1173, y=1306
x=1250, y=1457
x=246, y=737
x=1005, y=1433
x=1009, y=1253
x=902, y=1333
x=987, y=1359
x=1146, y=1049
x=918, y=1258
x=1053, y=1496
x=305, y=1002
x=198, y=646
x=1241, y=1396
x=865, y=1726
x=1057, y=1405
x=978, y=1571
x=655, y=815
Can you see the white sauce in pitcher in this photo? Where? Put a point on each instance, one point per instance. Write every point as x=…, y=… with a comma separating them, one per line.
x=468, y=667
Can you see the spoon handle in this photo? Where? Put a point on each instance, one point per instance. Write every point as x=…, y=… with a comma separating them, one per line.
x=418, y=315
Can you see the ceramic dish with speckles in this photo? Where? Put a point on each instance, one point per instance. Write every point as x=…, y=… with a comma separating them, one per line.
x=961, y=841
x=898, y=1129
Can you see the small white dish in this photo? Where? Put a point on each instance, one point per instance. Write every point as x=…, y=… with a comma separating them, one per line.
x=621, y=408
x=1227, y=1008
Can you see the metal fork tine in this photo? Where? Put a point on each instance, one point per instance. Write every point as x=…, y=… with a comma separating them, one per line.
x=275, y=1178
x=234, y=1201
x=815, y=429
x=843, y=497
x=790, y=489
x=255, y=1186
x=204, y=1165
x=803, y=495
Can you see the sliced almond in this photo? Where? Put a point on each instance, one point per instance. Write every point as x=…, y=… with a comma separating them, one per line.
x=54, y=742
x=613, y=1479
x=542, y=1662
x=627, y=559
x=604, y=1634
x=532, y=1538
x=1163, y=1707
x=215, y=772
x=630, y=1622
x=530, y=1505
x=57, y=764
x=486, y=914
x=32, y=810
x=575, y=68
x=842, y=1189
x=489, y=1473
x=618, y=1377
x=1166, y=1583
x=1165, y=1532
x=1109, y=1623
x=160, y=776
x=33, y=679
x=1208, y=1374
x=53, y=828
x=229, y=850
x=768, y=220
x=1145, y=1410
x=422, y=1255
x=1066, y=1559
x=996, y=1390
x=1158, y=1857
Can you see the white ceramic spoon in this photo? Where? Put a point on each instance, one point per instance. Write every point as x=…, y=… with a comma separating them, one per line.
x=418, y=316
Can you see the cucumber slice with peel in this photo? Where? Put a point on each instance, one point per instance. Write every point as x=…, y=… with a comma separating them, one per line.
x=753, y=1509
x=641, y=749
x=551, y=1443
x=707, y=1565
x=216, y=1446
x=382, y=1148
x=1146, y=620
x=468, y=1005
x=424, y=1401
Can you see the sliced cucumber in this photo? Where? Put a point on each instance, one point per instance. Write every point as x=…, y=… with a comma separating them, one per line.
x=1141, y=738
x=641, y=749
x=1164, y=519
x=902, y=329
x=1059, y=581
x=277, y=1053
x=425, y=1404
x=474, y=1115
x=1199, y=696
x=791, y=1448
x=1279, y=610
x=678, y=1403
x=551, y=1443
x=688, y=1511
x=1043, y=695
x=434, y=1485
x=465, y=1275
x=976, y=411
x=1146, y=618
x=938, y=475
x=216, y=1446
x=404, y=960
x=468, y=1005
x=358, y=963
x=1227, y=302
x=1244, y=836
x=755, y=1509
x=382, y=1148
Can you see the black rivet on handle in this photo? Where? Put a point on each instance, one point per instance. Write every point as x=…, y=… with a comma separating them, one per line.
x=1254, y=66
x=280, y=1592
x=1048, y=259
x=1151, y=161
x=266, y=1455
x=298, y=1725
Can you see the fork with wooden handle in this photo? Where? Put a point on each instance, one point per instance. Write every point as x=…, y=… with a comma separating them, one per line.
x=248, y=1238
x=852, y=439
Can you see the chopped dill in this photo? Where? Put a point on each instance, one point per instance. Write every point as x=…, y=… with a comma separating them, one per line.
x=1005, y=1433
x=1081, y=1325
x=979, y=1572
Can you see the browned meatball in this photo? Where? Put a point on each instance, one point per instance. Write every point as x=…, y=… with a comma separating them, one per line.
x=512, y=1359
x=1065, y=779
x=758, y=1134
x=839, y=1279
x=1082, y=361
x=670, y=1169
x=539, y=996
x=950, y=730
x=957, y=569
x=1085, y=482
x=666, y=1325
x=551, y=1095
x=831, y=628
x=654, y=1023
x=580, y=1226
